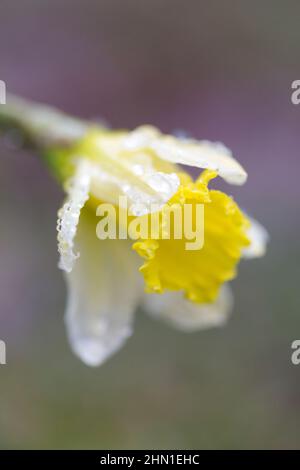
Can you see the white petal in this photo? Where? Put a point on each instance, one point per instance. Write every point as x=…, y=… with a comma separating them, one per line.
x=135, y=175
x=186, y=315
x=145, y=193
x=200, y=154
x=259, y=238
x=77, y=189
x=103, y=290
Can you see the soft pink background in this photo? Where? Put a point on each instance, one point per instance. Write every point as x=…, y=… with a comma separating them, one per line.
x=220, y=71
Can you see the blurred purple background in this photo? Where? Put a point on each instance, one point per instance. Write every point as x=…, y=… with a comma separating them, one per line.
x=219, y=71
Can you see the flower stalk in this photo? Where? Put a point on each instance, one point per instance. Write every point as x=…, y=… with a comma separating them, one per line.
x=39, y=126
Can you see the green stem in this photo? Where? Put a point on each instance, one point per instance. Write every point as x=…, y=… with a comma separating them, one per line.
x=40, y=126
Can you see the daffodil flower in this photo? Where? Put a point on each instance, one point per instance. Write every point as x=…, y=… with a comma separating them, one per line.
x=108, y=280
x=189, y=289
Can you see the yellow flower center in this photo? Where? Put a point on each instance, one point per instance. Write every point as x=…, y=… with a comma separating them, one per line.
x=200, y=274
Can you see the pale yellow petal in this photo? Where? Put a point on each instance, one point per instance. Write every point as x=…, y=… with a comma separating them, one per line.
x=200, y=154
x=258, y=237
x=104, y=289
x=188, y=316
